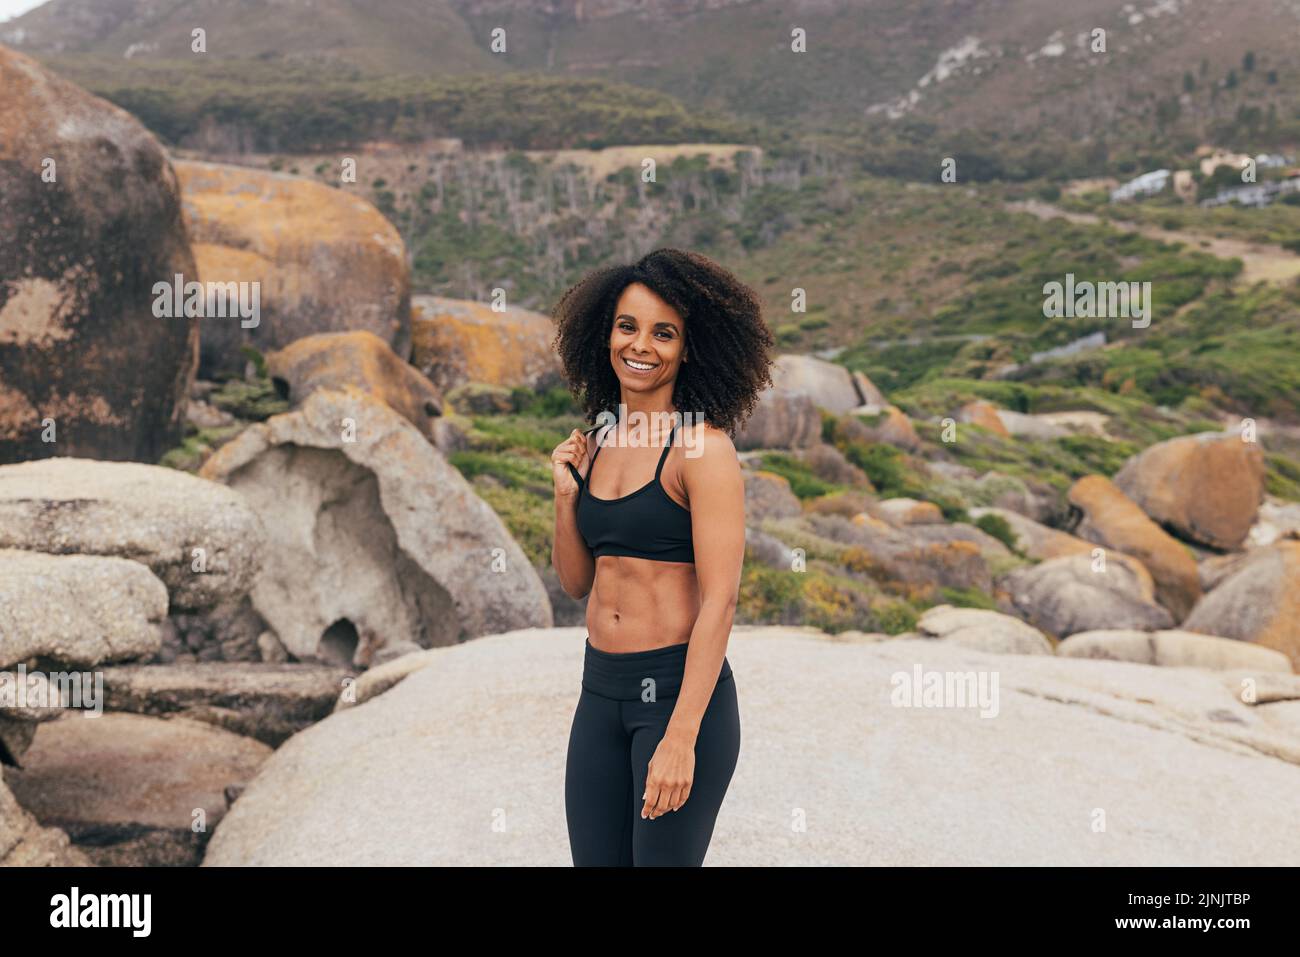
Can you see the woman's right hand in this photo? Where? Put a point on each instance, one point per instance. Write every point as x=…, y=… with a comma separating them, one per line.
x=572, y=451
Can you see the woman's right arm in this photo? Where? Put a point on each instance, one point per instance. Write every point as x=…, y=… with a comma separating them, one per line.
x=572, y=560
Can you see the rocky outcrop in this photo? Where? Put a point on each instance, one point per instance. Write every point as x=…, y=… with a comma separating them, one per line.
x=1034, y=427
x=374, y=771
x=983, y=414
x=334, y=360
x=885, y=424
x=781, y=421
x=1066, y=595
x=1034, y=539
x=987, y=631
x=1206, y=487
x=787, y=415
x=1173, y=649
x=768, y=495
x=1259, y=602
x=268, y=702
x=132, y=790
x=1112, y=520
x=374, y=540
x=86, y=368
x=889, y=553
x=326, y=260
x=77, y=610
x=907, y=511
x=829, y=385
x=454, y=341
x=829, y=464
x=200, y=538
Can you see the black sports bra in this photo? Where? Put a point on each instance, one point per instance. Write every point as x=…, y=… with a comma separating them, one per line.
x=646, y=523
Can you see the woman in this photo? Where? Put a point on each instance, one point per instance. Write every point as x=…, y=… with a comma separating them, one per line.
x=676, y=349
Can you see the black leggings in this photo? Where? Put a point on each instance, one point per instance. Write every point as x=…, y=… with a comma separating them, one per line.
x=614, y=735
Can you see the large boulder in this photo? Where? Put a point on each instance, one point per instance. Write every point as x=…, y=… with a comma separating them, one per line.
x=334, y=360
x=768, y=495
x=455, y=341
x=1036, y=540
x=1173, y=648
x=1068, y=594
x=1109, y=518
x=374, y=539
x=133, y=790
x=886, y=424
x=86, y=368
x=781, y=421
x=199, y=537
x=1206, y=487
x=77, y=610
x=1125, y=735
x=1259, y=602
x=985, y=415
x=326, y=260
x=987, y=631
x=830, y=386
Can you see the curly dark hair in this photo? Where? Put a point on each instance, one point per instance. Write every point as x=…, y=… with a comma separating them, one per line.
x=726, y=338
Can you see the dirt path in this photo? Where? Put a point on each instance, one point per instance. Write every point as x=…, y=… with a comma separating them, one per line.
x=1260, y=261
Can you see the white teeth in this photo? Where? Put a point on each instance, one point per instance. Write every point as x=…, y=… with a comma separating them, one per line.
x=638, y=365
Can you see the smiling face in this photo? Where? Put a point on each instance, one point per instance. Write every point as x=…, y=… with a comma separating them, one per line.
x=647, y=342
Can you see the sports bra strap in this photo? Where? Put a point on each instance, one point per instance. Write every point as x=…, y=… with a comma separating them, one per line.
x=667, y=448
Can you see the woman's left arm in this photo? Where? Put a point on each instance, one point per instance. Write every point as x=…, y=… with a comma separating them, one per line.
x=716, y=489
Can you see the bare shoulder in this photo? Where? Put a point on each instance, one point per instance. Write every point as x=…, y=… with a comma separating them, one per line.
x=710, y=447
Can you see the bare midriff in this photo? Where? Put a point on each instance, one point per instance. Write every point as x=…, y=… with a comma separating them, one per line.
x=637, y=604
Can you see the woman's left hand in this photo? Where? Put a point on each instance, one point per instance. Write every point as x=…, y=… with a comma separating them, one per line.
x=668, y=779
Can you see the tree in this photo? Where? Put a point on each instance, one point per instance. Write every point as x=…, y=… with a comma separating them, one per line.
x=1231, y=81
x=1189, y=82
x=1248, y=61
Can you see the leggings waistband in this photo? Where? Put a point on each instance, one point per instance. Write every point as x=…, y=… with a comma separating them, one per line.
x=622, y=676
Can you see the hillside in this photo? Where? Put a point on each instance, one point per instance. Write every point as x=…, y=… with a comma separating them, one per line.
x=907, y=81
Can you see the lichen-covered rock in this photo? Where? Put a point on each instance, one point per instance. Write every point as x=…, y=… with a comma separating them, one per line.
x=985, y=415
x=326, y=260
x=86, y=368
x=374, y=540
x=199, y=537
x=1259, y=602
x=334, y=360
x=1111, y=519
x=454, y=341
x=1207, y=487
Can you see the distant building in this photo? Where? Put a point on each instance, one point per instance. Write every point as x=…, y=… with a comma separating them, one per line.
x=1270, y=161
x=1148, y=184
x=1185, y=185
x=1254, y=194
x=1237, y=161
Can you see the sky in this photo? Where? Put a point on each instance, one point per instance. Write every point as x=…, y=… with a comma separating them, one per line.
x=11, y=8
